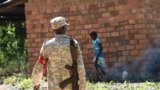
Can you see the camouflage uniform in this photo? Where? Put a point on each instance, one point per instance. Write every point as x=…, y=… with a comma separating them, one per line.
x=57, y=51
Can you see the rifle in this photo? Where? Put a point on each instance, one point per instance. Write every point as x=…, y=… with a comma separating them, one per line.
x=72, y=69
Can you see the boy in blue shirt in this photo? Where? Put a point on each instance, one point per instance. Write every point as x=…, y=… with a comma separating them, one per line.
x=98, y=60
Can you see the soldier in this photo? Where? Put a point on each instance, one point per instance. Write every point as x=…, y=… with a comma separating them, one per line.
x=55, y=54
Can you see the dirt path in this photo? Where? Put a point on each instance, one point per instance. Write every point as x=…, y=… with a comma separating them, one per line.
x=8, y=87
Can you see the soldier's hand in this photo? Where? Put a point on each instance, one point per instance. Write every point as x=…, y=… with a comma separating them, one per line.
x=36, y=87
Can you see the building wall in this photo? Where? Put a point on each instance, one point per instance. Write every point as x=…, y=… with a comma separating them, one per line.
x=153, y=21
x=126, y=27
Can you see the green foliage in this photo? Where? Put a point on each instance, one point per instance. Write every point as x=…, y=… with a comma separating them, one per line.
x=12, y=48
x=25, y=84
x=22, y=82
x=10, y=80
x=123, y=86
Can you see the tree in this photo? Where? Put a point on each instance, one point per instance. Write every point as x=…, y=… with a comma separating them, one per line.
x=13, y=56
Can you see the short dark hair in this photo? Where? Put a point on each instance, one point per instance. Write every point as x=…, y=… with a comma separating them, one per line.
x=61, y=30
x=93, y=33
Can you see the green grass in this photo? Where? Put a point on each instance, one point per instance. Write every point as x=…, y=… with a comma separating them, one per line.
x=124, y=86
x=19, y=81
x=26, y=84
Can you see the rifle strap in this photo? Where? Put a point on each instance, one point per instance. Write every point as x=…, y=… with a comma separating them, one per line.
x=74, y=76
x=74, y=55
x=71, y=42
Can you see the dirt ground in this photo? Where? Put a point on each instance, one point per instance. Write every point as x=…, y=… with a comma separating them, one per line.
x=8, y=87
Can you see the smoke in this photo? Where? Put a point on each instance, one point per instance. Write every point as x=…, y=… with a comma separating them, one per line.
x=124, y=75
x=152, y=64
x=146, y=67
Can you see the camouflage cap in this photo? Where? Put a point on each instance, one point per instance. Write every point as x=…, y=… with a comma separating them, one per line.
x=58, y=22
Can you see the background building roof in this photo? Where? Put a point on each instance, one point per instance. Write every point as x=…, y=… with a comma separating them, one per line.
x=12, y=10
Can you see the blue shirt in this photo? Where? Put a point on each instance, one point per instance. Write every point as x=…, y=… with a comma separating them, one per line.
x=96, y=47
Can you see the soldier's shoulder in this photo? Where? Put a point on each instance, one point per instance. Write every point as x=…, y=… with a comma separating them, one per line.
x=47, y=41
x=76, y=42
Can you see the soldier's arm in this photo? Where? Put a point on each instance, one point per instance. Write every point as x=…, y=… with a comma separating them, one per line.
x=37, y=72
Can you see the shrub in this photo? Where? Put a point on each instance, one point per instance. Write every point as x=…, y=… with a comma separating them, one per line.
x=10, y=80
x=22, y=82
x=13, y=53
x=25, y=84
